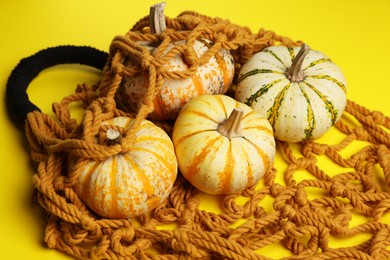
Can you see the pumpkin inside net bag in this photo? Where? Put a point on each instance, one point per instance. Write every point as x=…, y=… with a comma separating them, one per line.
x=126, y=112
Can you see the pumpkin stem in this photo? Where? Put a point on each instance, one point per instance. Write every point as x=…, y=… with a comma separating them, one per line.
x=113, y=136
x=157, y=18
x=295, y=73
x=231, y=127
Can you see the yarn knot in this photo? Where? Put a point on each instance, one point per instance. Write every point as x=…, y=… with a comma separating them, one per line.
x=337, y=189
x=378, y=117
x=319, y=149
x=361, y=133
x=181, y=242
x=288, y=212
x=289, y=229
x=300, y=197
x=276, y=189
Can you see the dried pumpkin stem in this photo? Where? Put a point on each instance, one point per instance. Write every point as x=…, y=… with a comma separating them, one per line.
x=295, y=73
x=113, y=136
x=231, y=127
x=157, y=18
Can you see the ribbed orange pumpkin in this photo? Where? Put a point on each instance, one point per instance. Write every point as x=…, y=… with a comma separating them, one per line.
x=222, y=146
x=132, y=183
x=214, y=77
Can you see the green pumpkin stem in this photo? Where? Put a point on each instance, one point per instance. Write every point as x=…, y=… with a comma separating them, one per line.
x=157, y=18
x=231, y=127
x=295, y=73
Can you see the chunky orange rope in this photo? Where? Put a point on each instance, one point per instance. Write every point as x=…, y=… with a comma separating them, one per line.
x=180, y=229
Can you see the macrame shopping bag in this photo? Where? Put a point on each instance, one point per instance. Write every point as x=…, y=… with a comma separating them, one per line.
x=179, y=228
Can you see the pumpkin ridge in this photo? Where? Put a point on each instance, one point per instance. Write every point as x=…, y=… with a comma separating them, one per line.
x=273, y=112
x=247, y=118
x=158, y=106
x=291, y=52
x=198, y=158
x=328, y=104
x=114, y=208
x=261, y=91
x=140, y=173
x=311, y=121
x=327, y=77
x=277, y=66
x=222, y=105
x=154, y=139
x=275, y=56
x=261, y=153
x=202, y=114
x=224, y=71
x=255, y=72
x=198, y=83
x=246, y=115
x=184, y=137
x=226, y=175
x=248, y=167
x=87, y=179
x=158, y=156
x=244, y=146
x=316, y=62
x=144, y=129
x=149, y=190
x=258, y=127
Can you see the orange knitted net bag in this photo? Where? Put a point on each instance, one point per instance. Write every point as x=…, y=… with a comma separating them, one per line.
x=182, y=228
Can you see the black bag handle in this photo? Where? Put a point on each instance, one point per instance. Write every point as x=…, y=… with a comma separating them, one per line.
x=17, y=100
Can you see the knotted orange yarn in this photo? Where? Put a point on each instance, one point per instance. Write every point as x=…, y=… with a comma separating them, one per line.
x=180, y=228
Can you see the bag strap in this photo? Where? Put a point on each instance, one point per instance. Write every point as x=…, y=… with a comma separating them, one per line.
x=17, y=100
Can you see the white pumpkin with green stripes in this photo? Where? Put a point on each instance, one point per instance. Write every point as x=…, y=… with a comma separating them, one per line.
x=301, y=91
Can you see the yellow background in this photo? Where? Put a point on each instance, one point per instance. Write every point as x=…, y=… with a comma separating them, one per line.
x=354, y=33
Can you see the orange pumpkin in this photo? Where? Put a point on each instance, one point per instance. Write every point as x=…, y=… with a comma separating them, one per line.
x=132, y=183
x=222, y=146
x=214, y=77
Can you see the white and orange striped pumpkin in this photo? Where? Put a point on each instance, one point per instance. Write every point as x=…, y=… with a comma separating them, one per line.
x=301, y=91
x=222, y=146
x=214, y=77
x=132, y=183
